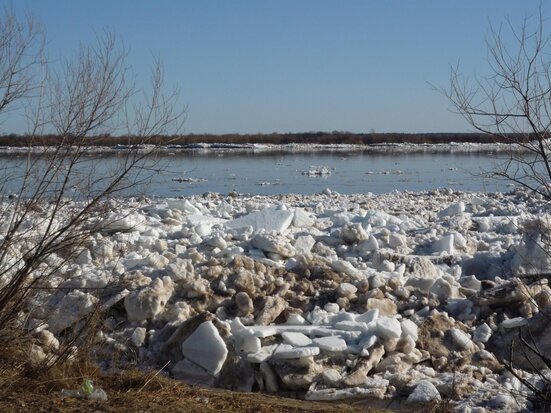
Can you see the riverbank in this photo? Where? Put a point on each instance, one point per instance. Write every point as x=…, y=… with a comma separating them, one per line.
x=322, y=138
x=254, y=148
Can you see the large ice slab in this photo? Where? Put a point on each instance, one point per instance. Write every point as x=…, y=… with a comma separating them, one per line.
x=269, y=219
x=482, y=333
x=409, y=328
x=423, y=392
x=461, y=339
x=296, y=339
x=266, y=331
x=197, y=219
x=444, y=244
x=273, y=243
x=262, y=355
x=330, y=343
x=388, y=327
x=206, y=348
x=453, y=209
x=182, y=205
x=302, y=218
x=304, y=244
x=295, y=353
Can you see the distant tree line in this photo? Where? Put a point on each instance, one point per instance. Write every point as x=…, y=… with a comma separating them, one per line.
x=324, y=138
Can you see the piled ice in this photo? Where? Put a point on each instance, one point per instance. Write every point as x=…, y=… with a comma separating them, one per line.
x=317, y=171
x=410, y=297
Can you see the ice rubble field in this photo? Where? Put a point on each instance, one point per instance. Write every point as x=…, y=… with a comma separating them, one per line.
x=409, y=297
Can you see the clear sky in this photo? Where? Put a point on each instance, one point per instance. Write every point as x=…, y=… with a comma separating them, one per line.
x=251, y=66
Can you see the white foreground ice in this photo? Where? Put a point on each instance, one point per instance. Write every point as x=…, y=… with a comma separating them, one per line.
x=404, y=296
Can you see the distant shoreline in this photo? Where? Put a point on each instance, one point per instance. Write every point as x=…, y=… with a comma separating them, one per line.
x=276, y=142
x=312, y=138
x=255, y=148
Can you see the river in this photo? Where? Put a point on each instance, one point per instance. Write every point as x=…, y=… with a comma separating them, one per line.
x=188, y=173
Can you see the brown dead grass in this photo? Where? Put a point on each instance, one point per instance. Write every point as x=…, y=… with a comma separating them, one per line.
x=25, y=389
x=159, y=395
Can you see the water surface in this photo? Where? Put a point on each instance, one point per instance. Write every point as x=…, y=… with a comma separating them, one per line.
x=275, y=173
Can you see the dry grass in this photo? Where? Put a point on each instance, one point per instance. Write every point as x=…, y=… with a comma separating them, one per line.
x=443, y=406
x=25, y=389
x=41, y=394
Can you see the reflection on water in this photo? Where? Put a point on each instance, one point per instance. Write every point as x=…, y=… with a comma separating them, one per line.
x=272, y=173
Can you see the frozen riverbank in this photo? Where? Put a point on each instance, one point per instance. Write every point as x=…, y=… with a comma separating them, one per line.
x=452, y=147
x=403, y=297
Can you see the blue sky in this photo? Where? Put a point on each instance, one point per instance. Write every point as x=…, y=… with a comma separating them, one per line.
x=251, y=66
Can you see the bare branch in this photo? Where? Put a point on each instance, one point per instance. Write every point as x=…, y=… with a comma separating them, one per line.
x=513, y=101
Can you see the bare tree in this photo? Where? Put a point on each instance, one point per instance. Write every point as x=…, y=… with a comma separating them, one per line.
x=47, y=223
x=21, y=57
x=513, y=101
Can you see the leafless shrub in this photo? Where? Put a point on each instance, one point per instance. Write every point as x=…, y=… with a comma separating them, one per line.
x=537, y=388
x=21, y=57
x=63, y=197
x=513, y=101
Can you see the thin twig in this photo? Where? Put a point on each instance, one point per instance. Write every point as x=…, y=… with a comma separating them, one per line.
x=152, y=377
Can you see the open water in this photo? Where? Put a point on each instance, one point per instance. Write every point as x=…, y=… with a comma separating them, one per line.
x=275, y=173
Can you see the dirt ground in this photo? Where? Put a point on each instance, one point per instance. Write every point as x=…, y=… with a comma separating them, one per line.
x=138, y=392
